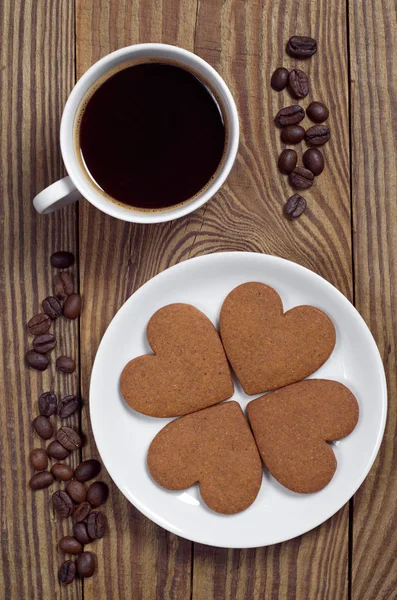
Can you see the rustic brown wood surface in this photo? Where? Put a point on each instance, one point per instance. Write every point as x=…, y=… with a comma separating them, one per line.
x=45, y=44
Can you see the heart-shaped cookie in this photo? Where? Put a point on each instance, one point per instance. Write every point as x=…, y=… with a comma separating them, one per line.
x=214, y=447
x=268, y=348
x=292, y=426
x=189, y=370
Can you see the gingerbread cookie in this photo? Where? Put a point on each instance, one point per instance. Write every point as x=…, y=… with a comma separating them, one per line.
x=214, y=447
x=188, y=371
x=293, y=425
x=268, y=348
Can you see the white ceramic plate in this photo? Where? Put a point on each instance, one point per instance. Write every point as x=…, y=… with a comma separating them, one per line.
x=123, y=436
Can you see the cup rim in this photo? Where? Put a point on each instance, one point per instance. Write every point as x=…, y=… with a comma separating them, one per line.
x=85, y=83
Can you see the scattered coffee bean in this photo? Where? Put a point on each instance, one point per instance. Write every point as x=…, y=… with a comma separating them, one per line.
x=62, y=472
x=295, y=206
x=88, y=469
x=62, y=259
x=70, y=545
x=67, y=406
x=293, y=134
x=65, y=364
x=314, y=161
x=96, y=525
x=81, y=534
x=63, y=284
x=67, y=572
x=62, y=503
x=287, y=161
x=317, y=135
x=76, y=491
x=57, y=451
x=52, y=307
x=317, y=112
x=69, y=438
x=300, y=46
x=39, y=459
x=81, y=512
x=39, y=324
x=290, y=115
x=37, y=361
x=47, y=404
x=58, y=287
x=301, y=178
x=279, y=80
x=43, y=427
x=298, y=84
x=97, y=493
x=41, y=480
x=72, y=306
x=86, y=564
x=44, y=343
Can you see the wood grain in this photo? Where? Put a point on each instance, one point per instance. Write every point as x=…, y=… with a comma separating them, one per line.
x=37, y=73
x=374, y=190
x=245, y=43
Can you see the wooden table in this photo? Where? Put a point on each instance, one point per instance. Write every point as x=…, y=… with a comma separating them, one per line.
x=348, y=235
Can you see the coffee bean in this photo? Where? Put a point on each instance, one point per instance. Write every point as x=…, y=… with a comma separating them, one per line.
x=81, y=512
x=44, y=343
x=41, y=480
x=39, y=324
x=299, y=46
x=62, y=472
x=62, y=503
x=52, y=307
x=39, y=459
x=37, y=361
x=298, y=84
x=57, y=451
x=76, y=491
x=62, y=259
x=86, y=564
x=317, y=135
x=47, y=404
x=88, y=469
x=43, y=427
x=291, y=115
x=72, y=306
x=279, y=80
x=317, y=112
x=97, y=493
x=295, y=206
x=67, y=572
x=67, y=406
x=293, y=134
x=63, y=284
x=301, y=178
x=68, y=438
x=287, y=161
x=81, y=534
x=96, y=525
x=65, y=364
x=314, y=161
x=70, y=545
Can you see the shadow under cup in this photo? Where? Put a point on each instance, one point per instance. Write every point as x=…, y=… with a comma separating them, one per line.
x=151, y=135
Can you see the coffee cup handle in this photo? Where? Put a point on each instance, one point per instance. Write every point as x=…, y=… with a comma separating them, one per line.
x=56, y=196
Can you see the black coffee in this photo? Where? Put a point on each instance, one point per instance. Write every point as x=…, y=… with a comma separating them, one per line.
x=152, y=136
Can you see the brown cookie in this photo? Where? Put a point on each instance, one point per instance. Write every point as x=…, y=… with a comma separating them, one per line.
x=268, y=348
x=292, y=426
x=188, y=371
x=214, y=447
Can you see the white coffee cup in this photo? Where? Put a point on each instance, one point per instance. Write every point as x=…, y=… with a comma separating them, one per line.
x=77, y=185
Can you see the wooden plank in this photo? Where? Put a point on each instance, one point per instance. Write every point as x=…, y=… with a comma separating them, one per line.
x=245, y=42
x=373, y=26
x=37, y=73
